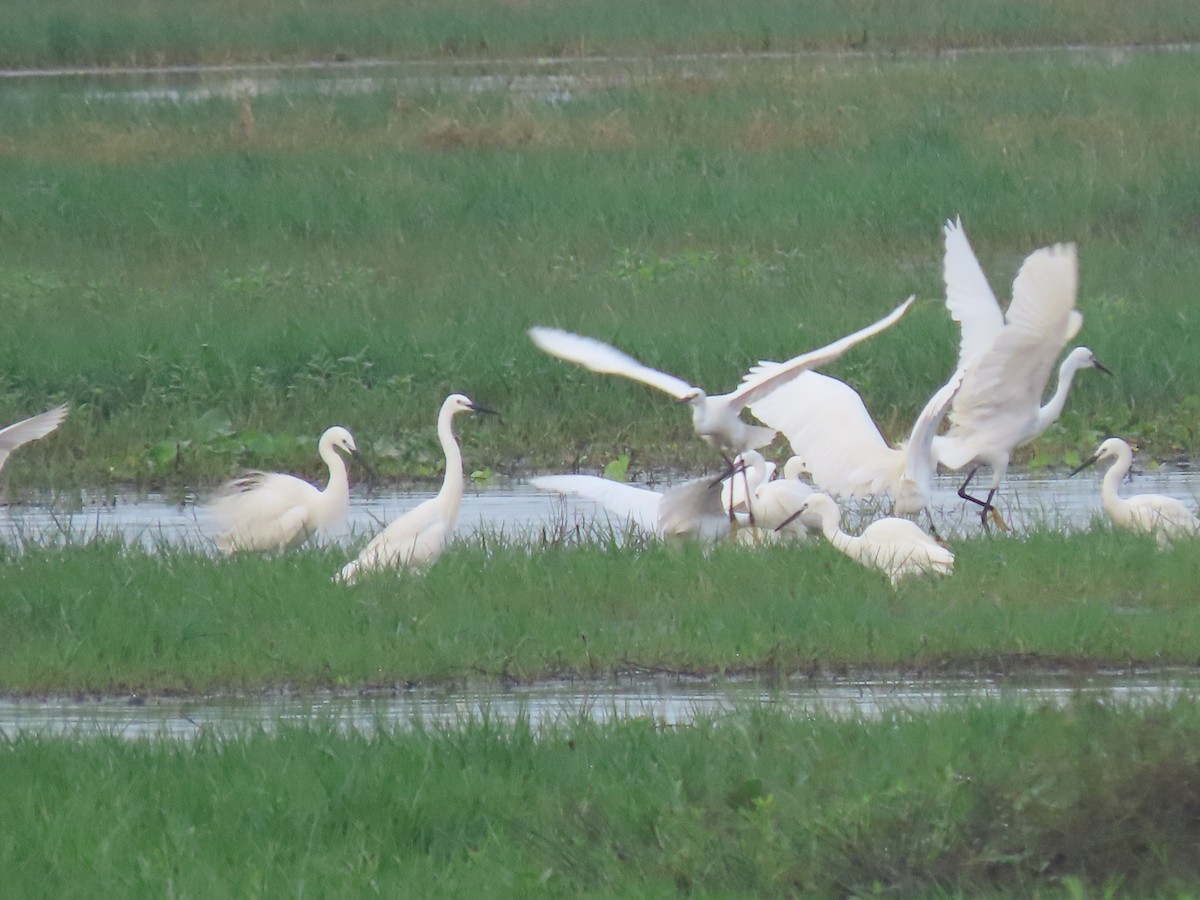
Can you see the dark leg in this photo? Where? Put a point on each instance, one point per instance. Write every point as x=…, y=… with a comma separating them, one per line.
x=986, y=505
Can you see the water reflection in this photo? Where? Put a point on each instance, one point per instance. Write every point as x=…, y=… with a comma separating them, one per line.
x=515, y=511
x=667, y=702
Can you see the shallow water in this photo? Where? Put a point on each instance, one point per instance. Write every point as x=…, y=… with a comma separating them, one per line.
x=668, y=702
x=517, y=512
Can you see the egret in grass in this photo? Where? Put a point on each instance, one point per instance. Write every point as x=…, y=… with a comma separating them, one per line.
x=827, y=425
x=1164, y=517
x=717, y=419
x=1006, y=358
x=417, y=538
x=273, y=511
x=897, y=547
x=31, y=429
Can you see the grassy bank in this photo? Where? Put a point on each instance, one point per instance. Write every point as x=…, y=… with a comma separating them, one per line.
x=990, y=801
x=67, y=32
x=1095, y=599
x=211, y=294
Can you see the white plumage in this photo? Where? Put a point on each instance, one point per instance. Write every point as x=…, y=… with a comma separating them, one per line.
x=273, y=511
x=417, y=538
x=896, y=547
x=31, y=429
x=1165, y=517
x=716, y=419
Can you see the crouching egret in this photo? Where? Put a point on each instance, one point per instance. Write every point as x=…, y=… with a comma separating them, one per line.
x=897, y=547
x=1164, y=517
x=716, y=419
x=18, y=433
x=418, y=537
x=273, y=511
x=1006, y=358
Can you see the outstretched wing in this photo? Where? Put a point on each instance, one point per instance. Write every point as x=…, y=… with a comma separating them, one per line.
x=639, y=505
x=919, y=462
x=828, y=426
x=18, y=433
x=969, y=297
x=761, y=381
x=605, y=359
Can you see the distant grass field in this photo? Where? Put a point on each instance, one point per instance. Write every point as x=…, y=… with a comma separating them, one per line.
x=492, y=611
x=212, y=283
x=125, y=32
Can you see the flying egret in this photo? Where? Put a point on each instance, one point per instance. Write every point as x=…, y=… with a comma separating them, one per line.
x=18, y=433
x=1006, y=358
x=828, y=425
x=273, y=511
x=896, y=547
x=418, y=537
x=1164, y=517
x=716, y=419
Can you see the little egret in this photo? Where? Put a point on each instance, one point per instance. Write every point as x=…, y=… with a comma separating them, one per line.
x=273, y=511
x=897, y=547
x=1006, y=358
x=716, y=419
x=1164, y=517
x=418, y=537
x=828, y=426
x=18, y=433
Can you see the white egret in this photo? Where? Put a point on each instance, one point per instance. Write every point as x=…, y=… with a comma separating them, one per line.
x=896, y=547
x=273, y=511
x=1006, y=358
x=826, y=423
x=18, y=433
x=418, y=537
x=716, y=419
x=1164, y=517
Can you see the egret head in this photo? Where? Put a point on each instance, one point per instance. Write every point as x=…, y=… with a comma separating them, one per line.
x=457, y=403
x=339, y=438
x=1083, y=358
x=1113, y=448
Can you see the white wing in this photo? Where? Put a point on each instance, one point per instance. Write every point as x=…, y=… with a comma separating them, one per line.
x=1010, y=378
x=263, y=511
x=605, y=359
x=919, y=463
x=693, y=507
x=760, y=381
x=638, y=505
x=969, y=297
x=828, y=426
x=18, y=433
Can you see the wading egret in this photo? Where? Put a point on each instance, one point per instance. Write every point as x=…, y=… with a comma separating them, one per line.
x=826, y=423
x=273, y=511
x=1165, y=517
x=716, y=419
x=418, y=537
x=18, y=433
x=1006, y=358
x=896, y=547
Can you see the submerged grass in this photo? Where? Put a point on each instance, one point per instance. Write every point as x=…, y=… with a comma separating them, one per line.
x=495, y=611
x=353, y=259
x=982, y=801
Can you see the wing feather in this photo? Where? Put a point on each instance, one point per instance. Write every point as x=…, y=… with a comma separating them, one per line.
x=969, y=297
x=639, y=505
x=605, y=359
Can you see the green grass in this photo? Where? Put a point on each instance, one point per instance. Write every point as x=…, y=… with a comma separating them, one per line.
x=988, y=801
x=493, y=611
x=70, y=32
x=356, y=258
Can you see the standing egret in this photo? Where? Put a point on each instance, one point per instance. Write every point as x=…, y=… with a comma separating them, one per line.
x=826, y=423
x=418, y=537
x=716, y=419
x=18, y=433
x=272, y=511
x=1006, y=358
x=896, y=547
x=1164, y=517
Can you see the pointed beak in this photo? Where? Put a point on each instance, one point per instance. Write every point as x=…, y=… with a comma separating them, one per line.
x=480, y=408
x=1104, y=369
x=360, y=460
x=792, y=518
x=1083, y=465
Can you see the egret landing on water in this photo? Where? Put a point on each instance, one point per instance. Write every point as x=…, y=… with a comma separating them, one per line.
x=1164, y=517
x=419, y=536
x=1006, y=358
x=896, y=547
x=716, y=419
x=18, y=433
x=273, y=511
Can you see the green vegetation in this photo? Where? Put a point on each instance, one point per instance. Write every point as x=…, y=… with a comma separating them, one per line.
x=171, y=268
x=485, y=611
x=125, y=32
x=990, y=801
